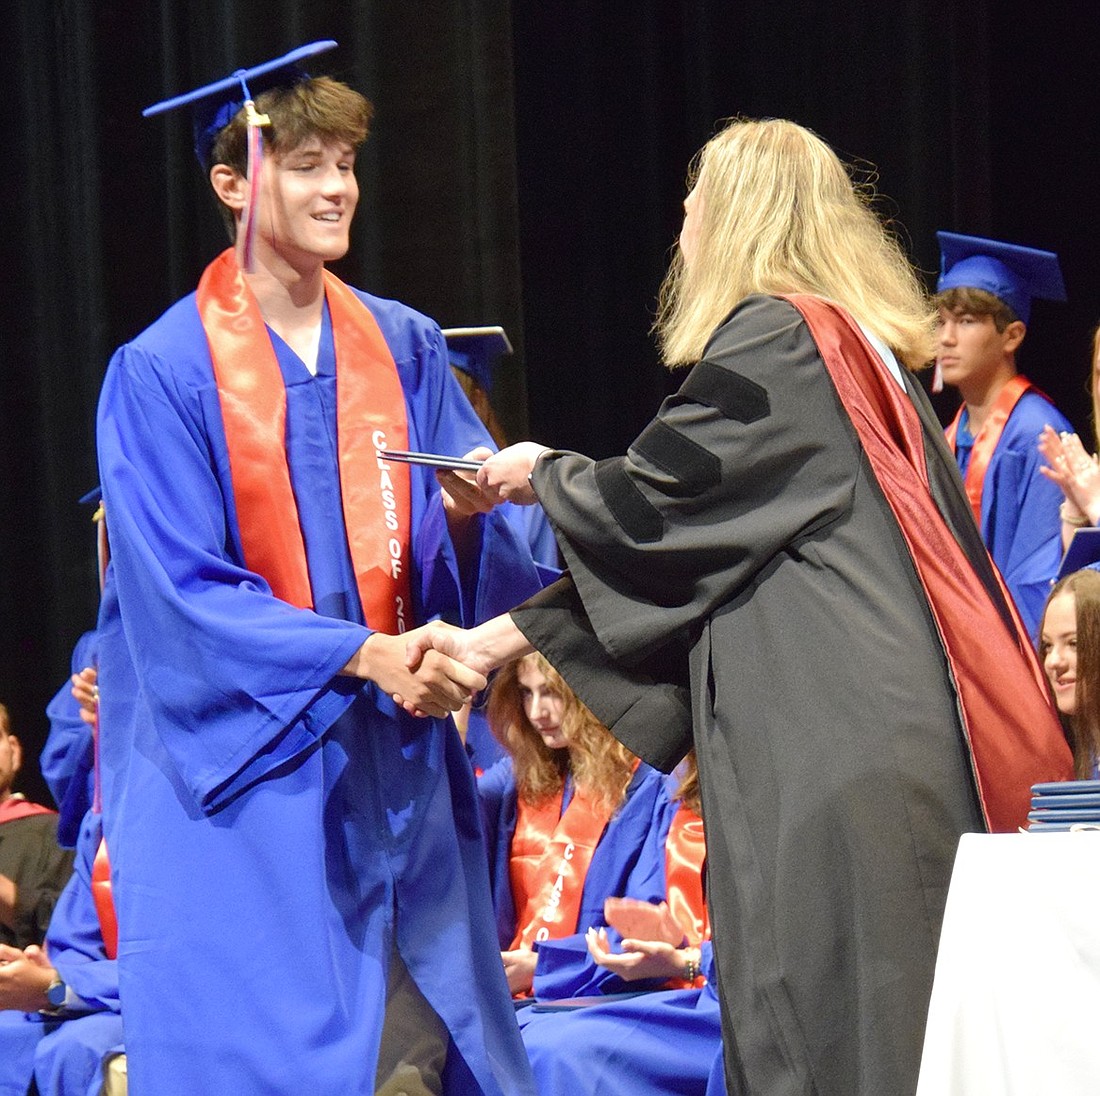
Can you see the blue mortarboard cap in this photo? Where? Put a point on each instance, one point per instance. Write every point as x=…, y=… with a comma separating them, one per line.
x=1010, y=272
x=475, y=350
x=94, y=495
x=215, y=105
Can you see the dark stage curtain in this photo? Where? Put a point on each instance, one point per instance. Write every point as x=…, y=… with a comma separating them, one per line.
x=527, y=167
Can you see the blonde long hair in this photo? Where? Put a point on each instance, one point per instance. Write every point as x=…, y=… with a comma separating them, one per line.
x=595, y=758
x=781, y=215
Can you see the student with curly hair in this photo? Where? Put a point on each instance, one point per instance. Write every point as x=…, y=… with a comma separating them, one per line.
x=570, y=816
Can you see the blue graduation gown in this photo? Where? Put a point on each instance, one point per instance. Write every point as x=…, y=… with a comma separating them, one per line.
x=565, y=967
x=274, y=827
x=629, y=859
x=656, y=1044
x=64, y=1053
x=1020, y=522
x=19, y=1035
x=69, y=1056
x=67, y=760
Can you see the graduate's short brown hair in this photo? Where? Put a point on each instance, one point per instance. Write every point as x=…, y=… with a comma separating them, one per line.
x=978, y=302
x=314, y=107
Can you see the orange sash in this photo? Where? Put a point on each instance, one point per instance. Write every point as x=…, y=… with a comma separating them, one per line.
x=370, y=415
x=551, y=852
x=685, y=852
x=104, y=903
x=988, y=437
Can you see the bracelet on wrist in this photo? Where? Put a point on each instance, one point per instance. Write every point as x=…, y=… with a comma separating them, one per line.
x=1072, y=516
x=691, y=967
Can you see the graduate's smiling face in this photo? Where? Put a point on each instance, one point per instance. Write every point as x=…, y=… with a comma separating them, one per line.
x=1058, y=648
x=307, y=201
x=542, y=704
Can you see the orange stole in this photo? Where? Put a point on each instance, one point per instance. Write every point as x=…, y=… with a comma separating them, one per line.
x=551, y=852
x=104, y=903
x=370, y=415
x=988, y=437
x=685, y=852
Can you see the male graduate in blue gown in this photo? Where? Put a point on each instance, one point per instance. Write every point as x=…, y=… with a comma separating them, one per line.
x=984, y=298
x=298, y=866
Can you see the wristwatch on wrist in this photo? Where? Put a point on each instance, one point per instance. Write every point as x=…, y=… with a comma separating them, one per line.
x=56, y=992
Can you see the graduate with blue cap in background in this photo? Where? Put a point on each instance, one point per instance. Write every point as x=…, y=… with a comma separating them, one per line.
x=984, y=297
x=292, y=853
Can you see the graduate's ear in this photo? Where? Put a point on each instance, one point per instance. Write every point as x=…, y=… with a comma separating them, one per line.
x=230, y=186
x=1013, y=335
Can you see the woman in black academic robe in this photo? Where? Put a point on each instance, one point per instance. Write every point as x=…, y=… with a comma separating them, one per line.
x=787, y=551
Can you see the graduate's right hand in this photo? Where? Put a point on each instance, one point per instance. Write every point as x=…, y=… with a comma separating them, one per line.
x=437, y=686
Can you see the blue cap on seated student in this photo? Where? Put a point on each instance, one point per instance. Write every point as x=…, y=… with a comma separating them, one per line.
x=984, y=300
x=476, y=350
x=1013, y=274
x=473, y=353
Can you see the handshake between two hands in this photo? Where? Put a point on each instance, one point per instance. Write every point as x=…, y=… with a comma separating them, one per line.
x=430, y=671
x=437, y=668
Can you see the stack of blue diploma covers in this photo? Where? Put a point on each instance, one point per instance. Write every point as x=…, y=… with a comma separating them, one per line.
x=1064, y=805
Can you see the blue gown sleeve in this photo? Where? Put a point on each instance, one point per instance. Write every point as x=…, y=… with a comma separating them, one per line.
x=1020, y=519
x=496, y=790
x=74, y=939
x=67, y=760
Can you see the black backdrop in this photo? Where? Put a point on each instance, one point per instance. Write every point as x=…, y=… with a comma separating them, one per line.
x=526, y=168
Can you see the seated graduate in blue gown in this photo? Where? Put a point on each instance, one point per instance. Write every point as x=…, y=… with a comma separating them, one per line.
x=63, y=1013
x=592, y=962
x=667, y=1037
x=571, y=817
x=984, y=296
x=291, y=851
x=67, y=761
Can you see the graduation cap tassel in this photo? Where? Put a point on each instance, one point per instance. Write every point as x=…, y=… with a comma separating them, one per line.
x=255, y=166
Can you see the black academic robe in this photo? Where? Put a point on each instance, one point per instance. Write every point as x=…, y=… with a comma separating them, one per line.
x=40, y=868
x=744, y=547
